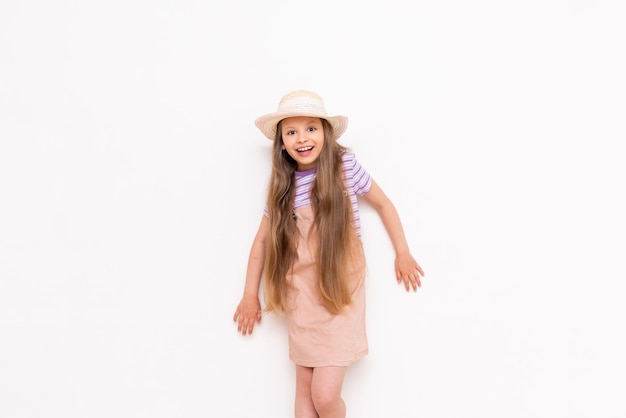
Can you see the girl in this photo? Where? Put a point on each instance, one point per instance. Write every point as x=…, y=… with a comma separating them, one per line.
x=308, y=249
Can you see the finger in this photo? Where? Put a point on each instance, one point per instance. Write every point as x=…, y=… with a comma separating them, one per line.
x=250, y=327
x=243, y=324
x=419, y=269
x=413, y=283
x=407, y=283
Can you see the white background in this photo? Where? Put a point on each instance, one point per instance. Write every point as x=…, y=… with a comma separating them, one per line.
x=132, y=182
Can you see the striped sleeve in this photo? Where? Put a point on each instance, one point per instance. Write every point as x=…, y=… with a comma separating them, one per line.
x=361, y=179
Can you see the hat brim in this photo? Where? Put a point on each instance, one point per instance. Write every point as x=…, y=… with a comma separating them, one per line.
x=267, y=123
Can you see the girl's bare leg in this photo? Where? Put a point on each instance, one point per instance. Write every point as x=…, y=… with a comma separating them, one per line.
x=304, y=407
x=326, y=387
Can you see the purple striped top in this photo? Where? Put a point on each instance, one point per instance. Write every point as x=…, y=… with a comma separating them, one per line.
x=358, y=182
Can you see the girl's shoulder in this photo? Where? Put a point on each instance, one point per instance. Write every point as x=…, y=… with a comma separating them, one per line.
x=350, y=161
x=348, y=157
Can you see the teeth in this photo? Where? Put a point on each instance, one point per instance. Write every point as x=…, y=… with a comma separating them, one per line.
x=304, y=149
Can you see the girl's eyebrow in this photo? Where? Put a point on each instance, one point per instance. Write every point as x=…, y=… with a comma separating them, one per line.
x=307, y=123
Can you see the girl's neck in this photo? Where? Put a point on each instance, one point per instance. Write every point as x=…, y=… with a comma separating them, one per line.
x=305, y=172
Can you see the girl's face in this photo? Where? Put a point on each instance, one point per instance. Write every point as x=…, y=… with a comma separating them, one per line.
x=303, y=138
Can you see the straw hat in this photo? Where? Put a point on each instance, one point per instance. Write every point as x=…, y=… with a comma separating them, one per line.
x=300, y=103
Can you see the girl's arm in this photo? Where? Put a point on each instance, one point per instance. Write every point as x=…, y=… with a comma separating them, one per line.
x=407, y=269
x=249, y=309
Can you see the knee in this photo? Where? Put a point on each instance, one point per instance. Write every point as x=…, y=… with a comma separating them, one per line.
x=325, y=401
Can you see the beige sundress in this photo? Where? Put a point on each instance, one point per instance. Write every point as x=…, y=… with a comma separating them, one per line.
x=317, y=337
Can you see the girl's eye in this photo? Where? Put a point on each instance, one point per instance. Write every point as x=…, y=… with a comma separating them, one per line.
x=291, y=132
x=312, y=129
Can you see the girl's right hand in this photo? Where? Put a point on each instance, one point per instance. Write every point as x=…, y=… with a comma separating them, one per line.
x=247, y=314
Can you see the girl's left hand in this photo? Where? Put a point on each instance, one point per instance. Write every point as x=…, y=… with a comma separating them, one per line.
x=408, y=271
x=247, y=314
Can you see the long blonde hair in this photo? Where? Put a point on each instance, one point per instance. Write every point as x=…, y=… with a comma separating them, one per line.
x=332, y=231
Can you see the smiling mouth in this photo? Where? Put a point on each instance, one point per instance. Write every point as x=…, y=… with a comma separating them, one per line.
x=304, y=149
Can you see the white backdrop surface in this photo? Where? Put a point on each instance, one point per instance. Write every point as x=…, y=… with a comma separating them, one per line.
x=132, y=182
